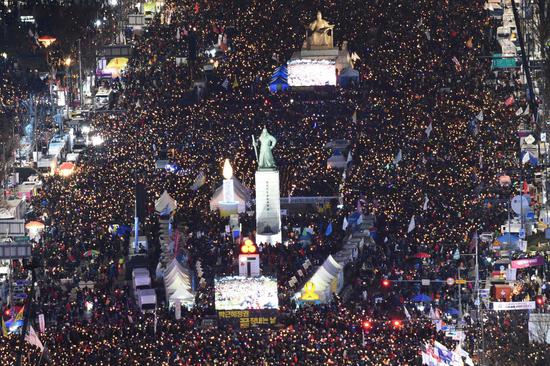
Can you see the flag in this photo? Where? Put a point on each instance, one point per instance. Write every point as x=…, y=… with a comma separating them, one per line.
x=398, y=157
x=407, y=314
x=525, y=187
x=458, y=67
x=130, y=319
x=473, y=242
x=426, y=200
x=235, y=83
x=355, y=56
x=345, y=224
x=525, y=157
x=349, y=157
x=33, y=339
x=412, y=225
x=479, y=116
x=328, y=231
x=456, y=255
x=444, y=353
x=509, y=101
x=178, y=34
x=428, y=35
x=519, y=111
x=526, y=111
x=199, y=181
x=432, y=313
x=429, y=130
x=472, y=126
x=225, y=84
x=4, y=328
x=20, y=314
x=354, y=116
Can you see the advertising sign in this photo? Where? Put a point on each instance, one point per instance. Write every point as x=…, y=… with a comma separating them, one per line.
x=514, y=305
x=528, y=262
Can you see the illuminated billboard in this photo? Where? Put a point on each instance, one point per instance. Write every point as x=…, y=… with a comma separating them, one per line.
x=306, y=72
x=245, y=293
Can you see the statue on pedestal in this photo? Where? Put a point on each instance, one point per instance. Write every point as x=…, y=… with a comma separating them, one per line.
x=319, y=33
x=265, y=161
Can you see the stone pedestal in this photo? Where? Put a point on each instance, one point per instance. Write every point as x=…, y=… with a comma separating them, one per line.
x=268, y=207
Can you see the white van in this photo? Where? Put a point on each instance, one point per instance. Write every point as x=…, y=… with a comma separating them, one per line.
x=103, y=98
x=147, y=299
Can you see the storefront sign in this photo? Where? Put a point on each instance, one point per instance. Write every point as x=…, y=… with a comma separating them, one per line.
x=514, y=305
x=528, y=262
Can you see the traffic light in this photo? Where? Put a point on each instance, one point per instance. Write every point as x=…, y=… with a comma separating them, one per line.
x=397, y=323
x=248, y=247
x=539, y=300
x=366, y=325
x=386, y=283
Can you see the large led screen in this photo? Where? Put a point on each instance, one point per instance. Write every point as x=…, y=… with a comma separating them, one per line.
x=245, y=293
x=306, y=72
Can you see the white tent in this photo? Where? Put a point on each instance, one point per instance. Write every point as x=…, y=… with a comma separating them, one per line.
x=177, y=283
x=185, y=297
x=324, y=277
x=165, y=204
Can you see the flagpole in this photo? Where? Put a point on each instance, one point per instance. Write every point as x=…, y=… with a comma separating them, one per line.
x=41, y=355
x=26, y=316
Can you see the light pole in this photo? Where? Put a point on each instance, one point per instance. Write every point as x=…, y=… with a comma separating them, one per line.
x=80, y=74
x=68, y=62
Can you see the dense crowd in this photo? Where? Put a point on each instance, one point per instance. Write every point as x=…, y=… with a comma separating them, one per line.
x=428, y=139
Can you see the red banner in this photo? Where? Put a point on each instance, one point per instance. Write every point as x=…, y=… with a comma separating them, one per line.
x=528, y=262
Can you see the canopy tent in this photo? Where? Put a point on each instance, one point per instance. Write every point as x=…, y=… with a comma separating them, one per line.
x=118, y=63
x=325, y=279
x=177, y=284
x=279, y=79
x=115, y=66
x=348, y=77
x=184, y=296
x=165, y=204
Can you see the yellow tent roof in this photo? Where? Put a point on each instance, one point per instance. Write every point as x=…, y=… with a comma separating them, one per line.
x=118, y=63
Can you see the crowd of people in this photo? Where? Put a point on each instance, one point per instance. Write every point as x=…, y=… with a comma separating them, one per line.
x=428, y=140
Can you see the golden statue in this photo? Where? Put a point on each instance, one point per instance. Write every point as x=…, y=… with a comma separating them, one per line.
x=319, y=34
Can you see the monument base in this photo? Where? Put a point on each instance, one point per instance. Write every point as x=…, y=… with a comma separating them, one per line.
x=317, y=67
x=228, y=208
x=268, y=207
x=269, y=239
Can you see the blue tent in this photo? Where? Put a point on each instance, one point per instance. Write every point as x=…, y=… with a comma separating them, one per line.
x=348, y=77
x=452, y=311
x=421, y=298
x=278, y=85
x=279, y=80
x=527, y=157
x=280, y=71
x=508, y=238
